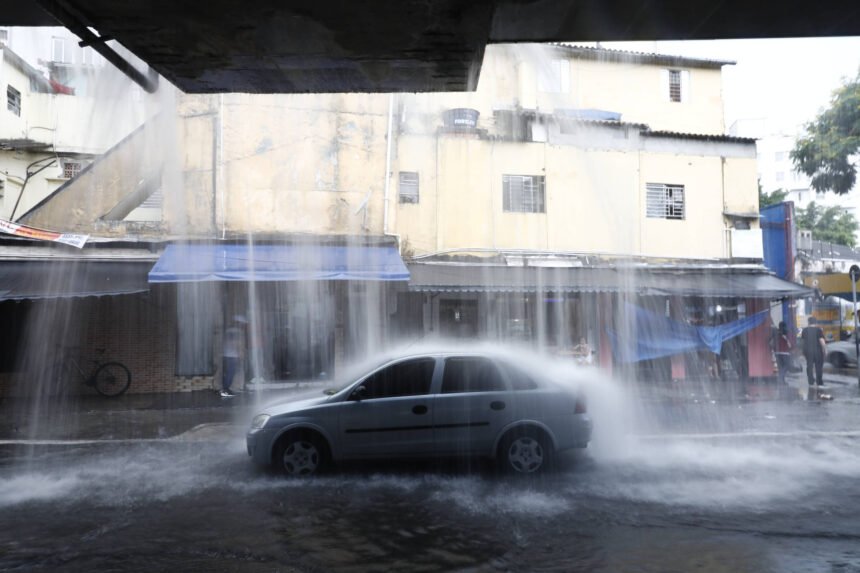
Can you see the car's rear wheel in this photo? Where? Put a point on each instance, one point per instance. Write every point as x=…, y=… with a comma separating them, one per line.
x=837, y=359
x=525, y=451
x=301, y=454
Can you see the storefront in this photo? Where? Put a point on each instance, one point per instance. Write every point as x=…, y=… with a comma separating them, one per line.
x=576, y=311
x=303, y=307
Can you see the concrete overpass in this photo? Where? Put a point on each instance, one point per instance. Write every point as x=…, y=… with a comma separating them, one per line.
x=269, y=46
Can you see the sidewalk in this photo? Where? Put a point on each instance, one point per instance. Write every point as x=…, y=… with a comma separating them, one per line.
x=136, y=416
x=836, y=384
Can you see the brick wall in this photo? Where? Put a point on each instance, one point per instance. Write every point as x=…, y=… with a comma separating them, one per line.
x=137, y=330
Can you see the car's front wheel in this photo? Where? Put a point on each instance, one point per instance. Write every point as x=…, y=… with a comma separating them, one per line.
x=301, y=454
x=525, y=452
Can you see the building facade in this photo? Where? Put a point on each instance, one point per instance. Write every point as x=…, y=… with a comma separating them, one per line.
x=572, y=184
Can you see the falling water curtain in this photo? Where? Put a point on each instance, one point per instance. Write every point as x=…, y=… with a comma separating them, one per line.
x=656, y=336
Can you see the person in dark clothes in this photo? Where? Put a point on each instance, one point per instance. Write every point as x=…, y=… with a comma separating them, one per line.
x=814, y=349
x=782, y=351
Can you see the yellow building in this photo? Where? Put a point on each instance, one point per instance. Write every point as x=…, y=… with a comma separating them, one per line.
x=572, y=180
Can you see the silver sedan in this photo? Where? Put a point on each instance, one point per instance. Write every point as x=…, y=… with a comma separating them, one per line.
x=426, y=405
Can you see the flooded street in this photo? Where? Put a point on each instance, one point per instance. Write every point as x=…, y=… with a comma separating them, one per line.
x=770, y=494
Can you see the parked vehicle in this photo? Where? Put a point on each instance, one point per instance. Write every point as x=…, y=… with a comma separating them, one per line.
x=426, y=405
x=842, y=354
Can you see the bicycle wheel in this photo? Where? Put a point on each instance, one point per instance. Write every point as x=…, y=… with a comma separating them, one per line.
x=112, y=379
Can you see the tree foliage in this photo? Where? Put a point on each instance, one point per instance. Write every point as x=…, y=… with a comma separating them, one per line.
x=774, y=197
x=825, y=153
x=830, y=224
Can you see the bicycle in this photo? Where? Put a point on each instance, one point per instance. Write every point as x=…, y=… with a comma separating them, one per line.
x=109, y=379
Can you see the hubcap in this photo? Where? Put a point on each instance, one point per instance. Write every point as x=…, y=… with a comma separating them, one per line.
x=525, y=455
x=301, y=458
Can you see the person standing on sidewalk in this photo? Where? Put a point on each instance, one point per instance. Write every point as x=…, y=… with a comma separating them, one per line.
x=814, y=349
x=782, y=352
x=232, y=353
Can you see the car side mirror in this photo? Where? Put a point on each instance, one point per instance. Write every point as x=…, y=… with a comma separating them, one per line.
x=359, y=394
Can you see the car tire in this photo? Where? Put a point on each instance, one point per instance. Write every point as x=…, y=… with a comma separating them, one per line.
x=837, y=359
x=301, y=454
x=525, y=451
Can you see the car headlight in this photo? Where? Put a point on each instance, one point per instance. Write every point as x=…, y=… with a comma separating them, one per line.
x=259, y=421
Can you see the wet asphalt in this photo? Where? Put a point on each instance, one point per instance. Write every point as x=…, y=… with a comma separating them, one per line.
x=689, y=477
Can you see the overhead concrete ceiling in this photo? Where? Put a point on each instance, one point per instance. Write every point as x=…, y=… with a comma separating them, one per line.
x=270, y=46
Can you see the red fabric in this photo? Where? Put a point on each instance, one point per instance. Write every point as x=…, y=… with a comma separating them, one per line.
x=782, y=344
x=60, y=88
x=760, y=360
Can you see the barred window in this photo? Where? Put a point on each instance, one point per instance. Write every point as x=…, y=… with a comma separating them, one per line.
x=408, y=187
x=13, y=100
x=523, y=193
x=71, y=169
x=664, y=201
x=674, y=85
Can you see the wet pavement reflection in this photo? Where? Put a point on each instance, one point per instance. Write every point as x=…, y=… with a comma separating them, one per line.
x=762, y=501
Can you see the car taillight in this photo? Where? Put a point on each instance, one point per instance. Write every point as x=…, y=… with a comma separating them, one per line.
x=580, y=406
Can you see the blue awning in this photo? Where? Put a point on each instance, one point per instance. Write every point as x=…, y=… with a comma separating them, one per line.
x=649, y=335
x=230, y=262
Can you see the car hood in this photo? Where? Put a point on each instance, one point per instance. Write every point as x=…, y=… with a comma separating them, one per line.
x=286, y=407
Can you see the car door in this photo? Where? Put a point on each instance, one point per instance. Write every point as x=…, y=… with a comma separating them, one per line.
x=390, y=412
x=472, y=406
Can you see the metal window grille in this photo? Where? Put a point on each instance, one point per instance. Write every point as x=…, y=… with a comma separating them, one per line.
x=664, y=201
x=71, y=169
x=675, y=85
x=408, y=187
x=13, y=100
x=523, y=193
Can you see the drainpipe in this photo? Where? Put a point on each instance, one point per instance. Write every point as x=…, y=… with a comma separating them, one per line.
x=218, y=170
x=388, y=173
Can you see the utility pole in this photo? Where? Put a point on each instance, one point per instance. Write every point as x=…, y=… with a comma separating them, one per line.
x=854, y=274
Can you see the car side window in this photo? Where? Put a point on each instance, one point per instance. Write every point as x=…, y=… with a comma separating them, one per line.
x=407, y=378
x=519, y=379
x=471, y=374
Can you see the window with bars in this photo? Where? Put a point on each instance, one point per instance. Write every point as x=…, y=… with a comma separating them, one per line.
x=13, y=100
x=71, y=169
x=408, y=192
x=523, y=193
x=664, y=201
x=675, y=85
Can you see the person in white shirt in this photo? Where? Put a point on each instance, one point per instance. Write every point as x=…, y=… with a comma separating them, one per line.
x=233, y=338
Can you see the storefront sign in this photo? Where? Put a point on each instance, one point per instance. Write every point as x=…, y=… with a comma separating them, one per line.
x=29, y=232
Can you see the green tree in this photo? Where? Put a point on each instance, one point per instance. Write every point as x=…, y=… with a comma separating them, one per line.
x=772, y=198
x=830, y=224
x=824, y=154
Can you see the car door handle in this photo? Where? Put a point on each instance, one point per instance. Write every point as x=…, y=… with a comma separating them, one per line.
x=497, y=405
x=419, y=409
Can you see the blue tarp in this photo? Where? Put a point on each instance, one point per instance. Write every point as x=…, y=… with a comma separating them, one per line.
x=590, y=114
x=654, y=336
x=231, y=262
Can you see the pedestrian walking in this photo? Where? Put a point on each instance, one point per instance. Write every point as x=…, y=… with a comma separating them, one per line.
x=814, y=349
x=232, y=353
x=783, y=351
